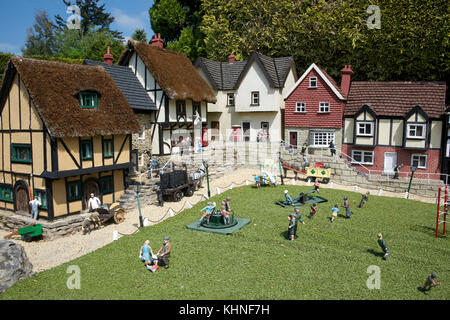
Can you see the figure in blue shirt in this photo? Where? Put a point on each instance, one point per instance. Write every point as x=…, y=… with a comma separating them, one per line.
x=208, y=210
x=334, y=212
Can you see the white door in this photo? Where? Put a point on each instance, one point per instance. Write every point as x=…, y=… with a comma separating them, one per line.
x=390, y=161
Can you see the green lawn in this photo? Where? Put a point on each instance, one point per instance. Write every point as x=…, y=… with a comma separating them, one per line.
x=327, y=261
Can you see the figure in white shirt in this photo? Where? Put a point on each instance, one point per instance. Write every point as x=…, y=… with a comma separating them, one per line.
x=93, y=203
x=34, y=207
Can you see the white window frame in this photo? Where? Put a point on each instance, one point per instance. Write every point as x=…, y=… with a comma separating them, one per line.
x=328, y=135
x=253, y=98
x=365, y=134
x=141, y=135
x=419, y=155
x=408, y=128
x=300, y=107
x=363, y=153
x=324, y=105
x=311, y=79
x=232, y=97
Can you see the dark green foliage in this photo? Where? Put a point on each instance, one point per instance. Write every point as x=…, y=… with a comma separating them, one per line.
x=40, y=38
x=327, y=261
x=140, y=35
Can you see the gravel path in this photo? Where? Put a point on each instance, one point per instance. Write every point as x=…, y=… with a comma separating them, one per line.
x=49, y=254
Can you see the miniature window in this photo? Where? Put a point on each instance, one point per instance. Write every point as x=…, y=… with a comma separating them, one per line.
x=86, y=150
x=108, y=150
x=365, y=129
x=416, y=131
x=300, y=107
x=181, y=108
x=324, y=107
x=74, y=191
x=313, y=82
x=6, y=193
x=21, y=153
x=419, y=161
x=106, y=185
x=362, y=157
x=255, y=98
x=88, y=100
x=321, y=138
x=141, y=135
x=42, y=196
x=230, y=101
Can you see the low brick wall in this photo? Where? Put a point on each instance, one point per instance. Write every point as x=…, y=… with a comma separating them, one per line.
x=50, y=230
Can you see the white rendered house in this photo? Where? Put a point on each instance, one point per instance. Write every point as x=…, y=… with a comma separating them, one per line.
x=250, y=96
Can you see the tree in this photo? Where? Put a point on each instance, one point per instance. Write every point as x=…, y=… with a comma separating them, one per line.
x=140, y=35
x=41, y=37
x=178, y=22
x=93, y=17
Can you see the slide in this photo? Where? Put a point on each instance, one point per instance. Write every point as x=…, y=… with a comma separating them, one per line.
x=271, y=178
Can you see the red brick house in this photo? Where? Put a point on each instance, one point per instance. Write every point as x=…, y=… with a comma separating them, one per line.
x=386, y=123
x=314, y=109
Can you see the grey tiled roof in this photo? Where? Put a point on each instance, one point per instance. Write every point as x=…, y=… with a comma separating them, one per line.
x=128, y=83
x=227, y=76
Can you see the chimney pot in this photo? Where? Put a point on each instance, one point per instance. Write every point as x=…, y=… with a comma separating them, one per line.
x=108, y=57
x=157, y=41
x=231, y=58
x=345, y=81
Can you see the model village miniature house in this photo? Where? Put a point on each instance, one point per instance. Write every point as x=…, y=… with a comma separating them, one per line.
x=65, y=133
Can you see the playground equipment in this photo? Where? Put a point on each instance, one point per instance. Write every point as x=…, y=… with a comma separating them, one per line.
x=301, y=199
x=268, y=173
x=28, y=232
x=216, y=221
x=317, y=171
x=442, y=213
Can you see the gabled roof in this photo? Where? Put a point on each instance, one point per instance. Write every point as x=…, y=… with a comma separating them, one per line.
x=397, y=98
x=228, y=76
x=173, y=71
x=325, y=77
x=54, y=88
x=129, y=84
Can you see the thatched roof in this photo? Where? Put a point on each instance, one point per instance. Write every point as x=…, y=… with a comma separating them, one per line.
x=173, y=71
x=54, y=88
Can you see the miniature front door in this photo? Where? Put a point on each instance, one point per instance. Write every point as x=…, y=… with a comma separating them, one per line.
x=90, y=186
x=293, y=139
x=390, y=161
x=236, y=133
x=22, y=199
x=246, y=131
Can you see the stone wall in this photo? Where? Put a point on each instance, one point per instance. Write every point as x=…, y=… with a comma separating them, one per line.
x=303, y=136
x=143, y=145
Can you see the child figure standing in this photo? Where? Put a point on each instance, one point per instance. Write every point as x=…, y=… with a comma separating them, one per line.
x=365, y=198
x=313, y=211
x=346, y=205
x=430, y=282
x=383, y=245
x=225, y=213
x=291, y=228
x=334, y=212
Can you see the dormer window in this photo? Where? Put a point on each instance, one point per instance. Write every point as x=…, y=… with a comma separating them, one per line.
x=365, y=128
x=88, y=100
x=415, y=131
x=313, y=82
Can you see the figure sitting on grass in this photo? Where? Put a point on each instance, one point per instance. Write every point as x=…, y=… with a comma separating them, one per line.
x=258, y=182
x=313, y=211
x=317, y=186
x=334, y=212
x=291, y=228
x=146, y=253
x=164, y=253
x=346, y=205
x=208, y=210
x=288, y=197
x=225, y=213
x=365, y=198
x=430, y=282
x=383, y=245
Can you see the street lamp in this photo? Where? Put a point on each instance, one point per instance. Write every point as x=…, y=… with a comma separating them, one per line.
x=205, y=163
x=413, y=169
x=137, y=189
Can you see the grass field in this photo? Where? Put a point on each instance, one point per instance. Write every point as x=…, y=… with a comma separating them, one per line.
x=327, y=261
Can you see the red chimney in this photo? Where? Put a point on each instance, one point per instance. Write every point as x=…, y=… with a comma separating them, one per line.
x=231, y=58
x=345, y=81
x=157, y=41
x=108, y=57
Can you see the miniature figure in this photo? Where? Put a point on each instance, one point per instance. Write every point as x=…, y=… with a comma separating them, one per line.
x=35, y=207
x=317, y=186
x=227, y=204
x=365, y=198
x=305, y=145
x=396, y=170
x=298, y=217
x=291, y=228
x=346, y=205
x=225, y=213
x=165, y=255
x=430, y=282
x=313, y=211
x=332, y=148
x=334, y=212
x=288, y=197
x=305, y=162
x=258, y=182
x=209, y=209
x=145, y=253
x=383, y=245
x=93, y=203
